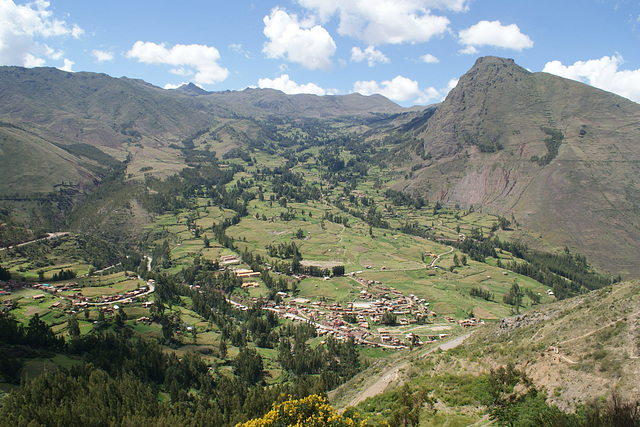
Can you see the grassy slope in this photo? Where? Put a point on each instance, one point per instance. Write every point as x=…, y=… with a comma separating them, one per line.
x=577, y=350
x=45, y=166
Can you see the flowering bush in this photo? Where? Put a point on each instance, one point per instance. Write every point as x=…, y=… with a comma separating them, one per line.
x=311, y=411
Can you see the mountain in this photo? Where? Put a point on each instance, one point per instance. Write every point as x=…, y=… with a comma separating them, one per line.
x=124, y=117
x=560, y=156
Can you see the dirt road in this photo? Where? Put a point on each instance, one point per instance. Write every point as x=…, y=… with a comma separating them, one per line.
x=393, y=374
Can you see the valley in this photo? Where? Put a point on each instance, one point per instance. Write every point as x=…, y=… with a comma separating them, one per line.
x=341, y=249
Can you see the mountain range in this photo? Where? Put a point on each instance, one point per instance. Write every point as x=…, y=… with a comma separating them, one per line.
x=556, y=157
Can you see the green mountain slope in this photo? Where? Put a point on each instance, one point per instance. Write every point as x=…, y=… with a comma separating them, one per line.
x=123, y=117
x=561, y=156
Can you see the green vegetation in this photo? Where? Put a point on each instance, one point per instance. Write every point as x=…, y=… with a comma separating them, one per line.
x=236, y=253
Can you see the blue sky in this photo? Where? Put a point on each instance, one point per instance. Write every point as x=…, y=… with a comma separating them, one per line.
x=412, y=51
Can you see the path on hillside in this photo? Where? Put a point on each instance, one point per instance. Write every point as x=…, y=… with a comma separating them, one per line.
x=439, y=255
x=424, y=265
x=613, y=322
x=393, y=374
x=49, y=237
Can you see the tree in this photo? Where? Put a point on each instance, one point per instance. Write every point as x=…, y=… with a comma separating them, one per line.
x=5, y=274
x=388, y=318
x=73, y=327
x=514, y=297
x=167, y=329
x=456, y=260
x=338, y=270
x=121, y=317
x=223, y=349
x=206, y=242
x=249, y=366
x=514, y=400
x=40, y=335
x=409, y=403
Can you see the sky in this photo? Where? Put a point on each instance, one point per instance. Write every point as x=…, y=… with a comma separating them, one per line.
x=411, y=51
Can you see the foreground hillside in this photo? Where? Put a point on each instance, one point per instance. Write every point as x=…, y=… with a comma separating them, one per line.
x=574, y=352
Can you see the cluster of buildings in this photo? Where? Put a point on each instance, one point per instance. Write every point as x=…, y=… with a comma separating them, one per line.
x=77, y=299
x=126, y=298
x=361, y=319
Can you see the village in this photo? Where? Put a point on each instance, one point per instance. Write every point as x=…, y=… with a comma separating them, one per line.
x=378, y=316
x=374, y=318
x=72, y=293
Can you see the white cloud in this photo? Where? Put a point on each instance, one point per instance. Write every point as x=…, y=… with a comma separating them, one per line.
x=387, y=21
x=199, y=60
x=52, y=53
x=68, y=65
x=300, y=42
x=102, y=56
x=402, y=89
x=469, y=50
x=429, y=59
x=370, y=54
x=22, y=29
x=239, y=48
x=181, y=71
x=452, y=83
x=76, y=32
x=171, y=86
x=398, y=89
x=602, y=73
x=31, y=61
x=493, y=33
x=289, y=86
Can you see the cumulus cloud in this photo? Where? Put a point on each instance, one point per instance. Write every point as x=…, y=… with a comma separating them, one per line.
x=68, y=65
x=493, y=33
x=452, y=83
x=370, y=54
x=399, y=89
x=290, y=87
x=102, y=56
x=23, y=29
x=402, y=89
x=469, y=50
x=602, y=73
x=387, y=21
x=429, y=59
x=31, y=61
x=300, y=42
x=198, y=60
